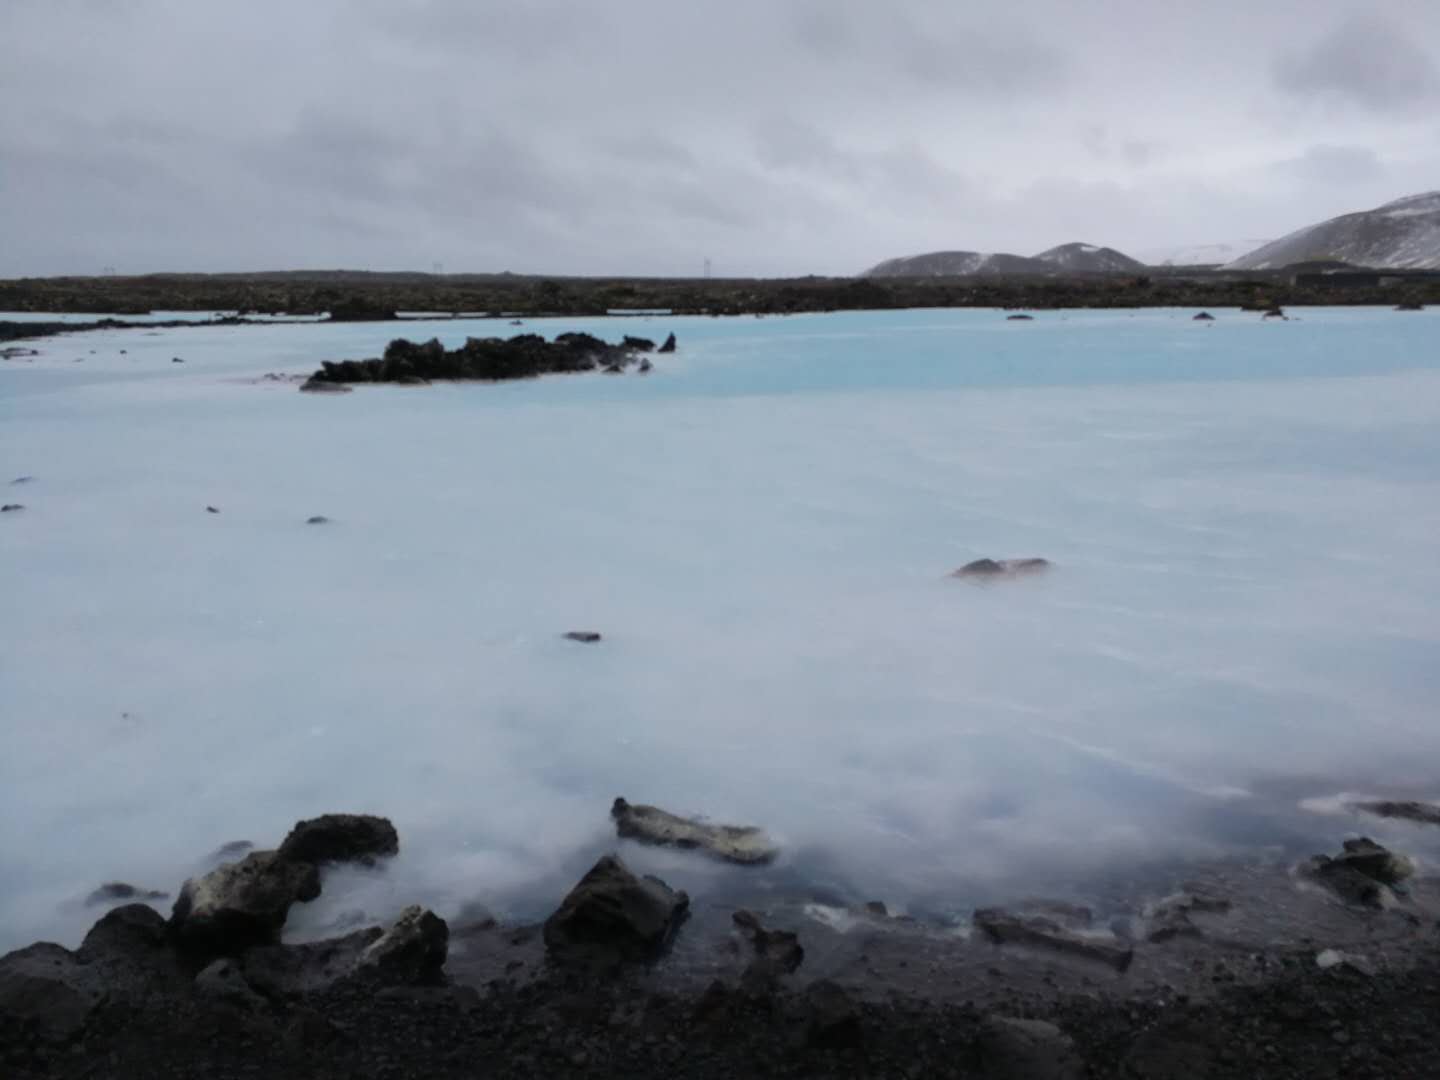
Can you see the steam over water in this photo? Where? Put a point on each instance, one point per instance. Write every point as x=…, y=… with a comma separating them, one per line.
x=1244, y=609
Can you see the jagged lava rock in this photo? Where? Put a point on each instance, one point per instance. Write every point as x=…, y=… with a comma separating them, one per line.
x=411, y=951
x=241, y=904
x=613, y=915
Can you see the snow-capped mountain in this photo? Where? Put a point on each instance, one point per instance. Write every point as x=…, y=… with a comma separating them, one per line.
x=957, y=264
x=1404, y=234
x=1089, y=259
x=1216, y=254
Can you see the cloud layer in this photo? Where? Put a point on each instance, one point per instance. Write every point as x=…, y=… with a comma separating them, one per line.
x=645, y=137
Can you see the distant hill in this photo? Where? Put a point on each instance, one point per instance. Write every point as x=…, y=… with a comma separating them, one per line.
x=1067, y=258
x=1089, y=259
x=1404, y=234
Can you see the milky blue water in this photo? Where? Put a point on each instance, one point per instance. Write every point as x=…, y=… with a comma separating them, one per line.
x=1242, y=615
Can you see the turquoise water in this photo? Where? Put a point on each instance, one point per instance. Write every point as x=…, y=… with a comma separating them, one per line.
x=1242, y=614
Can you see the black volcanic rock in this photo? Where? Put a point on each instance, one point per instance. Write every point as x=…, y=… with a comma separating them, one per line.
x=340, y=838
x=359, y=309
x=488, y=359
x=669, y=345
x=612, y=915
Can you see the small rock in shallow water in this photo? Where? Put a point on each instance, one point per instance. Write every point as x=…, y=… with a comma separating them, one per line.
x=744, y=844
x=318, y=519
x=320, y=386
x=1205, y=316
x=588, y=637
x=10, y=508
x=1020, y=318
x=668, y=346
x=116, y=891
x=176, y=360
x=212, y=510
x=991, y=569
x=22, y=480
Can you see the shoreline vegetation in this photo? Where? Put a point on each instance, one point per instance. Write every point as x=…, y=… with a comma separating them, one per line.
x=363, y=296
x=1329, y=968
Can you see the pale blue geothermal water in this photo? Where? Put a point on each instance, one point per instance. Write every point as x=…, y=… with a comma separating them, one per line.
x=1243, y=614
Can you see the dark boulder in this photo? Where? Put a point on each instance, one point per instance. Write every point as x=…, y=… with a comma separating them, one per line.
x=639, y=344
x=241, y=904
x=668, y=346
x=612, y=915
x=587, y=637
x=1274, y=313
x=340, y=838
x=1204, y=316
x=1020, y=318
x=317, y=519
x=747, y=845
x=47, y=988
x=10, y=508
x=412, y=951
x=176, y=360
x=113, y=892
x=212, y=509
x=1364, y=873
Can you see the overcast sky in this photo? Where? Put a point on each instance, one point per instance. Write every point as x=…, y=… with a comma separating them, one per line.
x=643, y=136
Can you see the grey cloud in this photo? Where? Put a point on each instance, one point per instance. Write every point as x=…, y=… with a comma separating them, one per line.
x=1337, y=165
x=1366, y=61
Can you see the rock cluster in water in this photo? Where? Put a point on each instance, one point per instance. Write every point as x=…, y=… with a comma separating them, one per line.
x=489, y=359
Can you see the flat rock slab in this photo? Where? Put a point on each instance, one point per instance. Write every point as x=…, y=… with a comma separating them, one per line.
x=747, y=845
x=1038, y=932
x=1423, y=813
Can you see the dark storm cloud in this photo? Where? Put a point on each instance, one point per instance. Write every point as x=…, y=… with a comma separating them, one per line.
x=643, y=136
x=1368, y=61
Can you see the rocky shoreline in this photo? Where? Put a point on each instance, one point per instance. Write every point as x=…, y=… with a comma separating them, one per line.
x=1331, y=968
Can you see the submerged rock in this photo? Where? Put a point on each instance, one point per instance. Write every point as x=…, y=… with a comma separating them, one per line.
x=990, y=569
x=1037, y=931
x=10, y=508
x=611, y=915
x=212, y=509
x=176, y=360
x=317, y=519
x=645, y=367
x=115, y=891
x=668, y=346
x=1019, y=318
x=747, y=845
x=319, y=386
x=413, y=950
x=340, y=838
x=15, y=352
x=23, y=480
x=777, y=952
x=1274, y=313
x=587, y=637
x=1204, y=316
x=241, y=904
